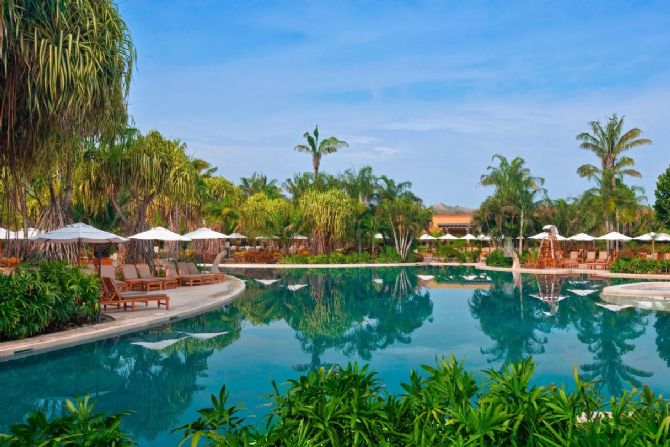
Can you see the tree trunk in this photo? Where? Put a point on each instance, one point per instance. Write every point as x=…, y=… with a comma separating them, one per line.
x=521, y=233
x=316, y=162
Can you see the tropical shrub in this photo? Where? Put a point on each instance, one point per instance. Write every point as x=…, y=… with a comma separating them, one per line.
x=639, y=265
x=442, y=405
x=46, y=297
x=79, y=427
x=387, y=255
x=498, y=259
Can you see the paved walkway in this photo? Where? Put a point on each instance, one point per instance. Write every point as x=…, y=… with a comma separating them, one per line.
x=184, y=302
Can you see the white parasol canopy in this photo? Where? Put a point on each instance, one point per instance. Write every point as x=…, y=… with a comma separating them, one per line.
x=448, y=237
x=378, y=236
x=236, y=236
x=159, y=234
x=581, y=237
x=468, y=237
x=545, y=235
x=299, y=237
x=426, y=237
x=483, y=237
x=6, y=234
x=658, y=237
x=205, y=233
x=79, y=232
x=614, y=236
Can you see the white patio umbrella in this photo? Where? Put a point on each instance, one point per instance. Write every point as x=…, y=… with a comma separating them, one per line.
x=468, y=237
x=483, y=238
x=205, y=233
x=448, y=237
x=159, y=234
x=378, y=236
x=299, y=237
x=581, y=237
x=545, y=235
x=80, y=233
x=614, y=236
x=7, y=234
x=426, y=237
x=653, y=237
x=236, y=236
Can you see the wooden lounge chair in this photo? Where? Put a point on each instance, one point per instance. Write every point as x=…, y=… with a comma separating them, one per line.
x=130, y=276
x=109, y=271
x=590, y=259
x=572, y=261
x=215, y=277
x=602, y=262
x=117, y=298
x=145, y=273
x=185, y=272
x=185, y=278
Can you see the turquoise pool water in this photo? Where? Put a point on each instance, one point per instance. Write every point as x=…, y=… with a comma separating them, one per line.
x=395, y=319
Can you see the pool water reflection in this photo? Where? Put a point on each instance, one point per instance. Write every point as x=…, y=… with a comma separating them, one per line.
x=395, y=319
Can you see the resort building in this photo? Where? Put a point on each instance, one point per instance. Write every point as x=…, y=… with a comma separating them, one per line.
x=456, y=220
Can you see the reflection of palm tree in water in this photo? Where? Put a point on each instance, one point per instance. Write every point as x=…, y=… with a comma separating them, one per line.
x=343, y=310
x=510, y=320
x=662, y=327
x=607, y=335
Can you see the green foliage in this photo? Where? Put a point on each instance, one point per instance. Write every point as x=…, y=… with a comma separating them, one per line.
x=46, y=298
x=639, y=265
x=405, y=217
x=498, y=259
x=387, y=255
x=442, y=405
x=79, y=427
x=662, y=204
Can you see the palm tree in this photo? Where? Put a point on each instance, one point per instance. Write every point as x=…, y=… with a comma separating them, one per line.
x=65, y=76
x=259, y=183
x=608, y=144
x=318, y=149
x=515, y=186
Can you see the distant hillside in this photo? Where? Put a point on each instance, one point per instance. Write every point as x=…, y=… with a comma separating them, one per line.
x=441, y=208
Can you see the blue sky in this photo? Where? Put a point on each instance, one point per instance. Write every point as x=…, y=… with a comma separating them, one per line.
x=422, y=91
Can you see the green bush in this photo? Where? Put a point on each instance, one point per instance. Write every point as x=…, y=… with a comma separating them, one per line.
x=498, y=259
x=440, y=405
x=443, y=405
x=44, y=298
x=79, y=427
x=639, y=265
x=387, y=255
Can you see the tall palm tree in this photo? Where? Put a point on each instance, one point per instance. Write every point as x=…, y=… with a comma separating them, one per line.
x=259, y=183
x=65, y=76
x=319, y=149
x=514, y=186
x=609, y=143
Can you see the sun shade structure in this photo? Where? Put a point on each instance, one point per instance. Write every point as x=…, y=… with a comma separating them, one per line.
x=7, y=234
x=159, y=234
x=483, y=238
x=379, y=236
x=468, y=237
x=448, y=237
x=545, y=235
x=614, y=236
x=581, y=237
x=205, y=233
x=81, y=233
x=236, y=236
x=299, y=237
x=426, y=237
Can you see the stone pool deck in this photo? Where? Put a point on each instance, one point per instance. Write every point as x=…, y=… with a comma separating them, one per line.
x=184, y=302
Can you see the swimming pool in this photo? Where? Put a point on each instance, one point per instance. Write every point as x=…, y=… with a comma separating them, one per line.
x=393, y=318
